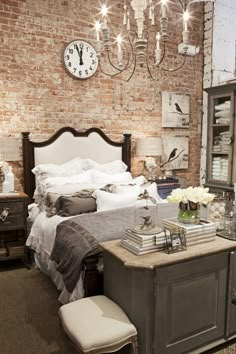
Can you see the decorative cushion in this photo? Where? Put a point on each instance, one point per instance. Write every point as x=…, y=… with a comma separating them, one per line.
x=112, y=167
x=95, y=322
x=68, y=206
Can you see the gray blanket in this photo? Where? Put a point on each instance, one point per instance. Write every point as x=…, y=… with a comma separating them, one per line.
x=72, y=244
x=79, y=237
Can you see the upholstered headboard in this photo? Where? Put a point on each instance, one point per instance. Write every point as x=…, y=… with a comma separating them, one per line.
x=68, y=143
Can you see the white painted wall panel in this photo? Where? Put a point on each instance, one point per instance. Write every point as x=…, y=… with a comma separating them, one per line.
x=224, y=37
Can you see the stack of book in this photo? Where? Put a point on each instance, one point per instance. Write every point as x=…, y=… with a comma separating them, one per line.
x=139, y=243
x=194, y=234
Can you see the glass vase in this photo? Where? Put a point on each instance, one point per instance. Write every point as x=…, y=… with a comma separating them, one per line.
x=189, y=213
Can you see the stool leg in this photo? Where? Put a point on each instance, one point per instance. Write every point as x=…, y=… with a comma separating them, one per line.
x=134, y=345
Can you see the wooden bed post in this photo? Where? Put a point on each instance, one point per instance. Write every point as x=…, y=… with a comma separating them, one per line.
x=126, y=152
x=28, y=161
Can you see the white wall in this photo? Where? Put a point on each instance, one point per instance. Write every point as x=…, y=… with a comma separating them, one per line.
x=224, y=37
x=219, y=56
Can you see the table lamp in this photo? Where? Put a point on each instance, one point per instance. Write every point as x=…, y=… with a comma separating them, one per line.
x=149, y=147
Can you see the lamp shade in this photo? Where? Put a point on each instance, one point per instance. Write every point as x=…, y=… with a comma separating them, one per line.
x=9, y=149
x=150, y=146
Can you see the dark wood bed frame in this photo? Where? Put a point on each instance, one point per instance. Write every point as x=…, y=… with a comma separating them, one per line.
x=93, y=279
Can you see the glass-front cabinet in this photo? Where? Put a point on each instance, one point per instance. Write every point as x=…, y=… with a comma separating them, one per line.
x=221, y=164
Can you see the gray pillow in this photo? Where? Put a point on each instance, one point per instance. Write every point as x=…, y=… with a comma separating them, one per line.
x=68, y=206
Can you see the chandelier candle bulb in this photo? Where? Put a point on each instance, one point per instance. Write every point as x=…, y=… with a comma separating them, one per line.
x=125, y=16
x=163, y=10
x=185, y=20
x=128, y=22
x=150, y=9
x=97, y=27
x=153, y=18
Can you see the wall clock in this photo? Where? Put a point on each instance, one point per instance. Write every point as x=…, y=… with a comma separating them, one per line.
x=80, y=59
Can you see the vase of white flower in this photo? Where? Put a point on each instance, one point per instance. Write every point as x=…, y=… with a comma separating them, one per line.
x=189, y=213
x=190, y=200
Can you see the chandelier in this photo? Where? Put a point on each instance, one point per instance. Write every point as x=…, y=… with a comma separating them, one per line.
x=134, y=47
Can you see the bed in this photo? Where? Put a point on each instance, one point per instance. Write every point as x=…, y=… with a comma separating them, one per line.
x=63, y=154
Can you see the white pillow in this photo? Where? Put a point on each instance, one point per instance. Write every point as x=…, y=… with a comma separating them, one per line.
x=108, y=201
x=84, y=177
x=72, y=167
x=117, y=178
x=139, y=180
x=113, y=167
x=121, y=189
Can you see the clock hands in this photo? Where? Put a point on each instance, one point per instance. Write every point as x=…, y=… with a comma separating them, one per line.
x=80, y=52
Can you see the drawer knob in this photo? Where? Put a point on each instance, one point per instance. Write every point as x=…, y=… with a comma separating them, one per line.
x=4, y=214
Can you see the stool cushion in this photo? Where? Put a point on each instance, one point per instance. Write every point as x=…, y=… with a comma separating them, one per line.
x=95, y=322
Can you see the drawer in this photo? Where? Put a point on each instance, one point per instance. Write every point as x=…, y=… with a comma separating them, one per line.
x=15, y=217
x=12, y=221
x=14, y=207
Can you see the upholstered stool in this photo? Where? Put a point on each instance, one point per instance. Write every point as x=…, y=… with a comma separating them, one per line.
x=97, y=325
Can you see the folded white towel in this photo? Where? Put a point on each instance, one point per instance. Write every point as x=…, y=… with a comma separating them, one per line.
x=223, y=114
x=222, y=106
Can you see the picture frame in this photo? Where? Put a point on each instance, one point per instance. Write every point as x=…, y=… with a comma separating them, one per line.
x=179, y=143
x=175, y=110
x=175, y=241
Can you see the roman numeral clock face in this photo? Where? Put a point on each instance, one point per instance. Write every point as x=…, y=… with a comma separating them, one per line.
x=80, y=59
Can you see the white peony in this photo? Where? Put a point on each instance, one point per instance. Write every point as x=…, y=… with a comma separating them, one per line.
x=191, y=194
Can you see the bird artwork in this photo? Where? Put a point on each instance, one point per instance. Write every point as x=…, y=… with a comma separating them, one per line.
x=172, y=154
x=178, y=109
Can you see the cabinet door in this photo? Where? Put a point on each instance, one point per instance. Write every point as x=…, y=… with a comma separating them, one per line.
x=190, y=304
x=220, y=139
x=231, y=318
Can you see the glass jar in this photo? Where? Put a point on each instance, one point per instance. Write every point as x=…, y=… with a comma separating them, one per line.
x=146, y=215
x=228, y=226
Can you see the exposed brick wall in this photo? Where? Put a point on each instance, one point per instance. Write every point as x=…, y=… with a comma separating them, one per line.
x=37, y=95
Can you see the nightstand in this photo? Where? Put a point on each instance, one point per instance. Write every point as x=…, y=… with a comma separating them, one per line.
x=166, y=186
x=13, y=226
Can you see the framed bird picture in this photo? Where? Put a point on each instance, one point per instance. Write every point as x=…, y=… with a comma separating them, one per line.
x=175, y=110
x=175, y=152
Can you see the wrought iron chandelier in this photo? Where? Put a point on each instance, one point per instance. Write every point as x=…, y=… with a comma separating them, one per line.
x=133, y=46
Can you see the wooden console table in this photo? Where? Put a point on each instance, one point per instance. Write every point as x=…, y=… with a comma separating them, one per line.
x=180, y=303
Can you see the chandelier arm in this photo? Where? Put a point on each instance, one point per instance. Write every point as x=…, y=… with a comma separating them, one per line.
x=103, y=72
x=157, y=65
x=108, y=56
x=132, y=70
x=128, y=60
x=196, y=1
x=179, y=67
x=183, y=5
